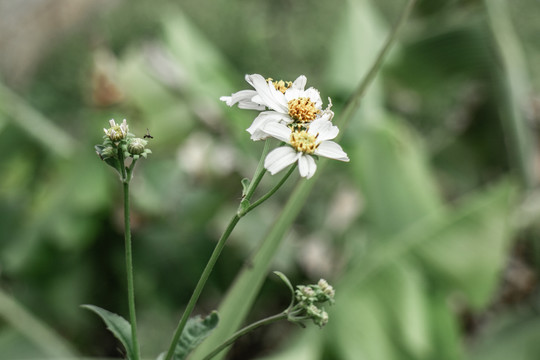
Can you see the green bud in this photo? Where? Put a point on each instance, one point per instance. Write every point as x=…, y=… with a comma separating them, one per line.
x=108, y=152
x=137, y=146
x=327, y=289
x=313, y=311
x=323, y=319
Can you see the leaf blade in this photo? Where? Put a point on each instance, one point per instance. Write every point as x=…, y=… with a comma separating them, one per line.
x=116, y=324
x=197, y=329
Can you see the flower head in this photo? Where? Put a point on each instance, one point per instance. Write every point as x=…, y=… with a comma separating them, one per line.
x=308, y=303
x=305, y=294
x=286, y=102
x=287, y=105
x=302, y=144
x=119, y=145
x=117, y=132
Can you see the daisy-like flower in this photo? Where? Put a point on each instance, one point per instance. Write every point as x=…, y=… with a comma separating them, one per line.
x=287, y=102
x=293, y=105
x=117, y=132
x=302, y=144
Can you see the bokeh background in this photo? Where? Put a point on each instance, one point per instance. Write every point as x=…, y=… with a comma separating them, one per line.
x=430, y=234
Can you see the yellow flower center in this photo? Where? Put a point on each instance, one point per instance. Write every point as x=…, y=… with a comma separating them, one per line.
x=302, y=109
x=280, y=85
x=304, y=142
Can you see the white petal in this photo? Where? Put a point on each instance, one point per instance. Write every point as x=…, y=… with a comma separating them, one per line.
x=278, y=159
x=112, y=123
x=314, y=95
x=324, y=128
x=293, y=93
x=250, y=105
x=256, y=128
x=331, y=150
x=327, y=115
x=268, y=94
x=278, y=131
x=242, y=95
x=258, y=134
x=299, y=83
x=227, y=100
x=312, y=166
x=248, y=79
x=306, y=166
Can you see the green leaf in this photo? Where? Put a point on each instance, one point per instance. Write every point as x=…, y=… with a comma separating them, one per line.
x=423, y=268
x=120, y=328
x=513, y=335
x=481, y=227
x=196, y=330
x=245, y=186
x=111, y=161
x=289, y=285
x=516, y=80
x=391, y=168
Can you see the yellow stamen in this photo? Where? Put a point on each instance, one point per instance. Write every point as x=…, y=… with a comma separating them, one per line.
x=302, y=109
x=304, y=142
x=280, y=85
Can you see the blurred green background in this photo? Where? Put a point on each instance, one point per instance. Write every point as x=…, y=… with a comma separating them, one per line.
x=429, y=234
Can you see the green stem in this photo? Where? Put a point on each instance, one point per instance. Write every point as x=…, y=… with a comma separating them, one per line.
x=129, y=270
x=257, y=177
x=242, y=294
x=259, y=172
x=200, y=284
x=353, y=104
x=244, y=331
x=271, y=192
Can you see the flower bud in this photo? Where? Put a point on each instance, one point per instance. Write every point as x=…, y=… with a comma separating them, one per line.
x=117, y=132
x=308, y=292
x=137, y=146
x=326, y=288
x=108, y=152
x=313, y=311
x=323, y=320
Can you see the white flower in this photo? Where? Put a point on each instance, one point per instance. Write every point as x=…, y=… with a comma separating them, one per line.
x=285, y=102
x=117, y=132
x=303, y=144
x=290, y=105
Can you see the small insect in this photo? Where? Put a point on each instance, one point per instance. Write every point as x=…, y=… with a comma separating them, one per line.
x=148, y=134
